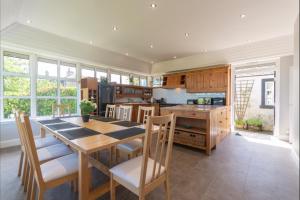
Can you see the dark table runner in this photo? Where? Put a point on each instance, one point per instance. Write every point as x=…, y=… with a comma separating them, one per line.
x=126, y=133
x=78, y=133
x=51, y=121
x=103, y=119
x=66, y=125
x=126, y=123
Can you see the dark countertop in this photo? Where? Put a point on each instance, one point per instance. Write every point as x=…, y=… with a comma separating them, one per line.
x=201, y=108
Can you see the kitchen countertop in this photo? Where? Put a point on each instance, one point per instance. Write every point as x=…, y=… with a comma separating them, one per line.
x=198, y=108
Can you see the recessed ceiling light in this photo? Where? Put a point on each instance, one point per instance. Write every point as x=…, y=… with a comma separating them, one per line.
x=174, y=57
x=152, y=62
x=242, y=16
x=91, y=42
x=186, y=35
x=28, y=21
x=127, y=54
x=151, y=46
x=203, y=50
x=115, y=28
x=153, y=5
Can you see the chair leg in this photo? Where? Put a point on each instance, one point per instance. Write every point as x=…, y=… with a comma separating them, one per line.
x=30, y=179
x=24, y=170
x=26, y=177
x=112, y=188
x=129, y=156
x=167, y=189
x=117, y=155
x=32, y=196
x=40, y=194
x=21, y=164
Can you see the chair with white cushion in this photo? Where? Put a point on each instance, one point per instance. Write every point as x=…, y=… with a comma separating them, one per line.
x=110, y=111
x=49, y=174
x=134, y=147
x=143, y=174
x=124, y=113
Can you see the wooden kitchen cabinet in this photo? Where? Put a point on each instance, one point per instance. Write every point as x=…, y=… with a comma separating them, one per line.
x=174, y=81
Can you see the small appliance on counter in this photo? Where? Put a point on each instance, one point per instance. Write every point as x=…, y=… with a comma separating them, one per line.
x=218, y=101
x=207, y=101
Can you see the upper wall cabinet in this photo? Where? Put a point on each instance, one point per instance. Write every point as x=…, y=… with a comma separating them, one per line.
x=174, y=81
x=208, y=80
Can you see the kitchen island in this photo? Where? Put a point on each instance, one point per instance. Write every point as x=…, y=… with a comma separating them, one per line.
x=200, y=126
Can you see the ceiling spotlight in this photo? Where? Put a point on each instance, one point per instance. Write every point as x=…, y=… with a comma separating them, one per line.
x=28, y=21
x=91, y=42
x=174, y=57
x=186, y=35
x=203, y=50
x=115, y=28
x=152, y=62
x=151, y=46
x=127, y=54
x=242, y=16
x=153, y=5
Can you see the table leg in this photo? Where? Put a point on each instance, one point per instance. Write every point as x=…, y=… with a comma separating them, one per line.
x=42, y=132
x=84, y=178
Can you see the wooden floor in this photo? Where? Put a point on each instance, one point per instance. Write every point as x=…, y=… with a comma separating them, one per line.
x=242, y=168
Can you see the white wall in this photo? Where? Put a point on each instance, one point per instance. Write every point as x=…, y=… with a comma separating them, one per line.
x=269, y=48
x=294, y=90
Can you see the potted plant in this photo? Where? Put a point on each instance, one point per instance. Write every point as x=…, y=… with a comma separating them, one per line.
x=240, y=123
x=86, y=108
x=254, y=124
x=131, y=80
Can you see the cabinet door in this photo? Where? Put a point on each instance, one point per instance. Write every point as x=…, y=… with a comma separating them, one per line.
x=190, y=80
x=199, y=80
x=207, y=81
x=219, y=79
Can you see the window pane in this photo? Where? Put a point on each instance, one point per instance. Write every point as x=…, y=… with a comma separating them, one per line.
x=20, y=104
x=46, y=87
x=87, y=73
x=269, y=93
x=125, y=80
x=143, y=82
x=68, y=89
x=101, y=75
x=136, y=81
x=16, y=86
x=115, y=78
x=44, y=106
x=47, y=69
x=72, y=103
x=67, y=72
x=157, y=82
x=16, y=64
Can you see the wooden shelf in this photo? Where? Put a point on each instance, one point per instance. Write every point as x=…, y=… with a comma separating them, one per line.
x=133, y=91
x=192, y=130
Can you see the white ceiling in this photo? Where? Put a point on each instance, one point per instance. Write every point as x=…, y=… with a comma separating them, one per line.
x=211, y=24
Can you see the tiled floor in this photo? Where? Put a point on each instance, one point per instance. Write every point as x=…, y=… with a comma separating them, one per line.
x=248, y=167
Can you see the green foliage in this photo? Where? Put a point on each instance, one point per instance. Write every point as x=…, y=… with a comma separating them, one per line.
x=72, y=103
x=239, y=122
x=16, y=86
x=16, y=65
x=254, y=122
x=20, y=104
x=46, y=87
x=44, y=106
x=87, y=107
x=68, y=92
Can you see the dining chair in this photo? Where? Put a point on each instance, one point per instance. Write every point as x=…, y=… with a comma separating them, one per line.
x=134, y=147
x=60, y=110
x=49, y=174
x=110, y=111
x=39, y=142
x=124, y=113
x=44, y=154
x=143, y=174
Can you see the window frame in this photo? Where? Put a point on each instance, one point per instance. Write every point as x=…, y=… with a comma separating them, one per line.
x=116, y=73
x=263, y=91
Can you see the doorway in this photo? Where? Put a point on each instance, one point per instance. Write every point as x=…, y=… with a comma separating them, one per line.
x=254, y=99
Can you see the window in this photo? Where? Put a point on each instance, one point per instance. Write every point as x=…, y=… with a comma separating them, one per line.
x=87, y=73
x=115, y=78
x=68, y=86
x=46, y=86
x=143, y=82
x=268, y=93
x=100, y=75
x=157, y=81
x=16, y=83
x=125, y=79
x=136, y=81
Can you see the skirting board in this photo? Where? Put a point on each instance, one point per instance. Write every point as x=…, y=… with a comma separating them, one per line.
x=9, y=143
x=295, y=157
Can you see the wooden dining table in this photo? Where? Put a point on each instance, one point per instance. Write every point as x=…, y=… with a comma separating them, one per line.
x=86, y=146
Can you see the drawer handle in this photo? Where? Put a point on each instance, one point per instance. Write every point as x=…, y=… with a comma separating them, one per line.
x=177, y=133
x=220, y=121
x=192, y=135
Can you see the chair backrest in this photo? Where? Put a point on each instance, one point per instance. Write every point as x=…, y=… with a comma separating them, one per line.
x=124, y=113
x=30, y=147
x=162, y=154
x=60, y=110
x=148, y=111
x=110, y=111
x=18, y=123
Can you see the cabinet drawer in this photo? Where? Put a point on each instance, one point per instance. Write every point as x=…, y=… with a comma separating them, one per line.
x=187, y=138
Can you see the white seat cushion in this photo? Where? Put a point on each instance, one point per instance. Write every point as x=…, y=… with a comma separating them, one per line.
x=46, y=141
x=52, y=152
x=60, y=167
x=129, y=172
x=131, y=146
